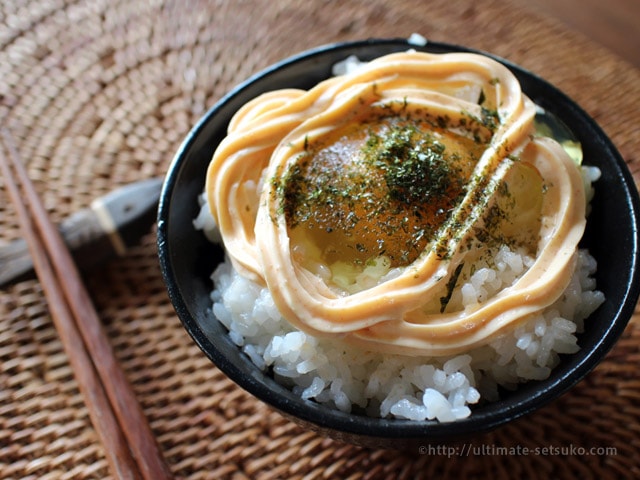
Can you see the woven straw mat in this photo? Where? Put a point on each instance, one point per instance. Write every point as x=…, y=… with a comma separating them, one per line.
x=100, y=93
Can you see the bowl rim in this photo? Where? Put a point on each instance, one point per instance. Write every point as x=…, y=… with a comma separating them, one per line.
x=325, y=419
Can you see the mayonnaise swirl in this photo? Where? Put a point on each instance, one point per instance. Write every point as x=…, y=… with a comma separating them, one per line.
x=454, y=92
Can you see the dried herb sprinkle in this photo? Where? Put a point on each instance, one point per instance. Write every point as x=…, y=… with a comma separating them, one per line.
x=382, y=187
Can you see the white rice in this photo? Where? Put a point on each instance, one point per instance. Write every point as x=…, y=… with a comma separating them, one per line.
x=346, y=378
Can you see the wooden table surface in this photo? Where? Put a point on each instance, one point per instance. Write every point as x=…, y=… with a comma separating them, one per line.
x=614, y=24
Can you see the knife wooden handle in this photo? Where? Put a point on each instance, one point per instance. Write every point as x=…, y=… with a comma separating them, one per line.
x=107, y=228
x=84, y=235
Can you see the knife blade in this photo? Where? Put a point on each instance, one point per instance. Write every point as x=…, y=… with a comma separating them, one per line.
x=107, y=229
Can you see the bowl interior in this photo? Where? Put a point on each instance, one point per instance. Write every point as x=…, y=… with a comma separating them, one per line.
x=187, y=259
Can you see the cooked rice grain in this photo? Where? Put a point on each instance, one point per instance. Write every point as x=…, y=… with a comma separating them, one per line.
x=349, y=379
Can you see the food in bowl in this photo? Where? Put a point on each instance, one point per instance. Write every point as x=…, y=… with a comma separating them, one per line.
x=399, y=241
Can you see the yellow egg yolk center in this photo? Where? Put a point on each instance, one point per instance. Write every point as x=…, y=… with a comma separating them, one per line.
x=382, y=188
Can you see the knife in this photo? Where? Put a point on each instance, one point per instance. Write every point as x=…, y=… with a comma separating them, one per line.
x=105, y=230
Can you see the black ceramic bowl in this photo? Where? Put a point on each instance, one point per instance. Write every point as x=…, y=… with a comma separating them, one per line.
x=187, y=259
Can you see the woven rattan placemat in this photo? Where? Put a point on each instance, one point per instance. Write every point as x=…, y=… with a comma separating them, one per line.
x=99, y=93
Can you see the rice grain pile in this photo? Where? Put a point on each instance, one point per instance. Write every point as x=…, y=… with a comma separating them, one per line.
x=344, y=377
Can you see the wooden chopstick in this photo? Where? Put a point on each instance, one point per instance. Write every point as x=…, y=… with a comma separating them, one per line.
x=100, y=412
x=114, y=410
